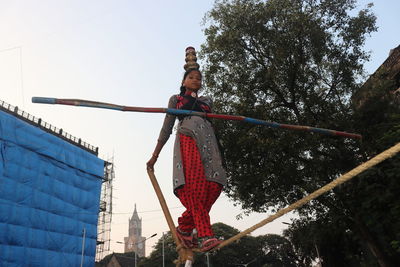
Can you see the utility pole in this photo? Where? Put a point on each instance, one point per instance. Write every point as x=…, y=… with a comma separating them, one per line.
x=319, y=264
x=83, y=245
x=135, y=246
x=163, y=254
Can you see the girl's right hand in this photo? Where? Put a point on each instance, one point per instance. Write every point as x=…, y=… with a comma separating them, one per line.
x=151, y=162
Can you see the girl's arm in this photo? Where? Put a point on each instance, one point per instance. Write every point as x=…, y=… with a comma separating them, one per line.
x=165, y=133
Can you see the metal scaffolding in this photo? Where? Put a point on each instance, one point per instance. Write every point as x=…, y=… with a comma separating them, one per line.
x=105, y=212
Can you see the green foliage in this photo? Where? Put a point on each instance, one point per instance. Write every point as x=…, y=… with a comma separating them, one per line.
x=289, y=61
x=369, y=203
x=328, y=239
x=156, y=257
x=379, y=120
x=273, y=250
x=279, y=252
x=239, y=252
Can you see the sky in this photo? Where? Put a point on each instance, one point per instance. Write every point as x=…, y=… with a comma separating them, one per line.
x=128, y=53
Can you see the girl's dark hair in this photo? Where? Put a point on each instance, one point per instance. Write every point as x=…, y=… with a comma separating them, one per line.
x=183, y=89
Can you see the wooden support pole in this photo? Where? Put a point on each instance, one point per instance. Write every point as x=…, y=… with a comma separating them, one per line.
x=185, y=254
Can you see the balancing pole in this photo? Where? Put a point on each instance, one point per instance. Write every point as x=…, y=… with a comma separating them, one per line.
x=171, y=111
x=185, y=254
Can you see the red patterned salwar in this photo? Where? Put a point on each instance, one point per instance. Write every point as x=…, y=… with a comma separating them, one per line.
x=197, y=195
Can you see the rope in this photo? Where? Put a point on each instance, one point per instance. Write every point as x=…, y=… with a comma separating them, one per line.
x=344, y=178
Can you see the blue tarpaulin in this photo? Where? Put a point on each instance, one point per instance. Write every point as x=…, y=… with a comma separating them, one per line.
x=49, y=198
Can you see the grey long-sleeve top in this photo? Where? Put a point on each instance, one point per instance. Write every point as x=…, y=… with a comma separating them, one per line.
x=201, y=130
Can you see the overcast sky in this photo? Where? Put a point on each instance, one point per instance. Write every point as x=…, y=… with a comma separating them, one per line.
x=128, y=53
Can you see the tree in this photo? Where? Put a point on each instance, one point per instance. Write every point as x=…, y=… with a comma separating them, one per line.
x=243, y=251
x=373, y=195
x=156, y=256
x=274, y=250
x=379, y=121
x=225, y=257
x=289, y=61
x=298, y=62
x=331, y=241
x=279, y=252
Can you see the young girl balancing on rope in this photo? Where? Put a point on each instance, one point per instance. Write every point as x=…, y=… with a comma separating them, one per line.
x=198, y=175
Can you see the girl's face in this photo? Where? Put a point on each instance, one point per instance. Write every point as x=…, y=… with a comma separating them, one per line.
x=192, y=82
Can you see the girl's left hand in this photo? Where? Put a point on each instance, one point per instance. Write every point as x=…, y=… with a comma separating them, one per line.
x=151, y=162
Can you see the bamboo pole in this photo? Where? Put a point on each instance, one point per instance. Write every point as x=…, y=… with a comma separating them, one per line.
x=185, y=254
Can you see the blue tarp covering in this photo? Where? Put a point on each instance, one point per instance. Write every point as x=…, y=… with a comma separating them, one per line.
x=49, y=196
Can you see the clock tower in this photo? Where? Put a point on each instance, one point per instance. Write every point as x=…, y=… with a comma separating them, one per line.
x=135, y=241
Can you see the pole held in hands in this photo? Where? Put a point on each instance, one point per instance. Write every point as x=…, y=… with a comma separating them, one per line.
x=95, y=104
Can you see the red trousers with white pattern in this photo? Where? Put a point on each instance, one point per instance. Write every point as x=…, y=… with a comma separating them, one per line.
x=197, y=195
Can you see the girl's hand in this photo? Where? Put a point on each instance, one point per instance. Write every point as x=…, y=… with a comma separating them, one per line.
x=151, y=162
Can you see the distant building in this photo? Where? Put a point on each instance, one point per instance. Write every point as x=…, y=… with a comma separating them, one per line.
x=135, y=241
x=388, y=71
x=117, y=260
